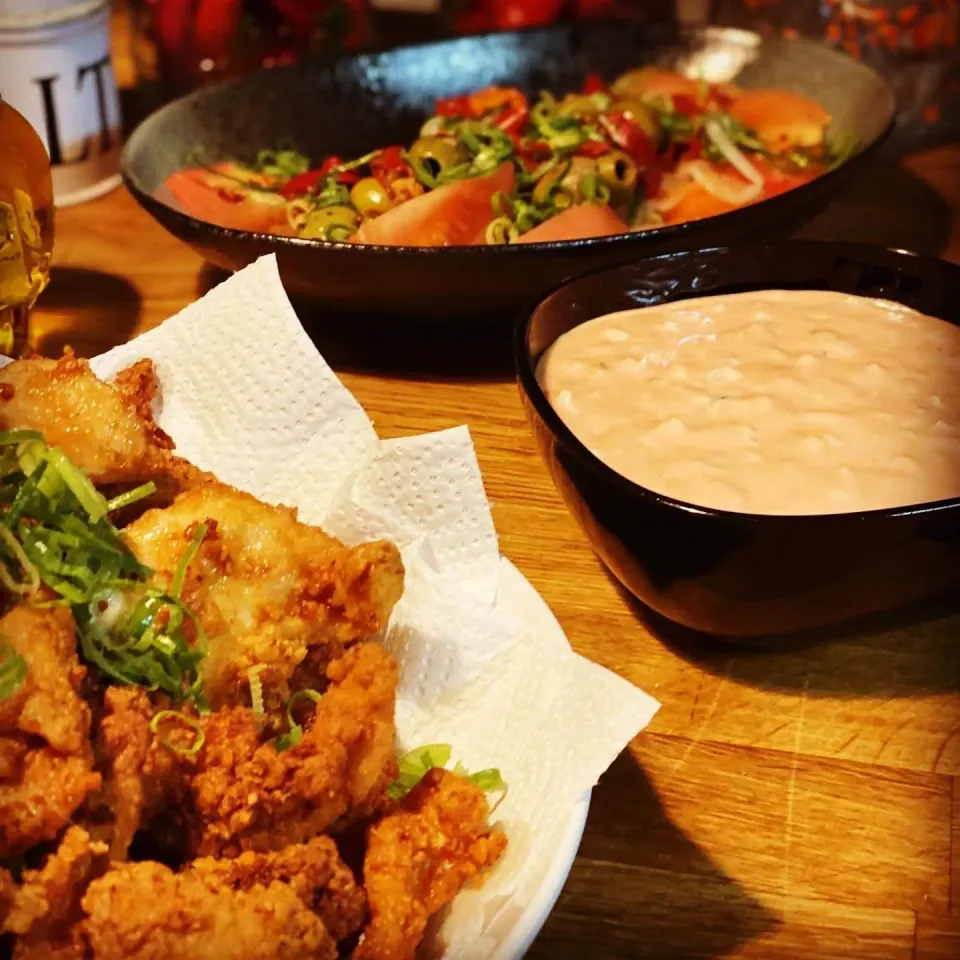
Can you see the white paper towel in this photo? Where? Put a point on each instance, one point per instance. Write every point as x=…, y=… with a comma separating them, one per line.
x=245, y=394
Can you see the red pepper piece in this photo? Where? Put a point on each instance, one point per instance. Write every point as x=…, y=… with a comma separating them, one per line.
x=453, y=107
x=630, y=139
x=592, y=148
x=514, y=120
x=302, y=183
x=652, y=180
x=594, y=84
x=345, y=177
x=686, y=105
x=389, y=165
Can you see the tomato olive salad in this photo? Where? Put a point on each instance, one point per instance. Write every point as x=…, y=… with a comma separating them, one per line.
x=492, y=167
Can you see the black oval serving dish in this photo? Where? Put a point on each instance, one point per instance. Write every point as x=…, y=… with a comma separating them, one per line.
x=357, y=104
x=732, y=574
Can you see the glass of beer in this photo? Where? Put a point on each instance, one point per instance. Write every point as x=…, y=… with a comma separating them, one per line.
x=26, y=226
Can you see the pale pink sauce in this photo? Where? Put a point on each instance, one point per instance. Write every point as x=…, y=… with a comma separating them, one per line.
x=776, y=402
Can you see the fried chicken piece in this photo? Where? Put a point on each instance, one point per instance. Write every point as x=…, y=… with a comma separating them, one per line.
x=46, y=764
x=48, y=704
x=141, y=776
x=8, y=893
x=246, y=796
x=50, y=950
x=266, y=588
x=145, y=911
x=313, y=870
x=418, y=859
x=47, y=902
x=49, y=787
x=108, y=430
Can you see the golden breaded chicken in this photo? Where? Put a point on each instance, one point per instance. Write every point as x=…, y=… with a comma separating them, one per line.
x=313, y=870
x=105, y=429
x=419, y=857
x=267, y=589
x=47, y=902
x=246, y=796
x=144, y=911
x=46, y=764
x=140, y=775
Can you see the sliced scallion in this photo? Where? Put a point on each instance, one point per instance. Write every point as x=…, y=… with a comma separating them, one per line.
x=199, y=736
x=13, y=670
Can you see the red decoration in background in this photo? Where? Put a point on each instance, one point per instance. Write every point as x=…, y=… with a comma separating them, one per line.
x=198, y=41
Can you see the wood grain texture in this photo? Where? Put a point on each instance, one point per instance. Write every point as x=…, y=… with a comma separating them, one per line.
x=792, y=804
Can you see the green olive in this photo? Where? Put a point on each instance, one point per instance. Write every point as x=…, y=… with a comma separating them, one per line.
x=330, y=223
x=437, y=153
x=578, y=105
x=620, y=174
x=370, y=196
x=640, y=113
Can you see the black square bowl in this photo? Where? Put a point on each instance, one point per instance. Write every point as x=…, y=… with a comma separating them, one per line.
x=735, y=574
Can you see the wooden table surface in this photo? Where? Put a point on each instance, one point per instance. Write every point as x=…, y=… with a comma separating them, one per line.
x=799, y=804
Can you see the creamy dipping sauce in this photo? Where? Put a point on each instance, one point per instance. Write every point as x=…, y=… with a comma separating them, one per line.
x=772, y=402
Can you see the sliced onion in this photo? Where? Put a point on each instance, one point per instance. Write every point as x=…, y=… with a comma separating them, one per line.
x=731, y=153
x=722, y=187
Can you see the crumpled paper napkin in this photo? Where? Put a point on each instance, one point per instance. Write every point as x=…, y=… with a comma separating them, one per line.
x=246, y=395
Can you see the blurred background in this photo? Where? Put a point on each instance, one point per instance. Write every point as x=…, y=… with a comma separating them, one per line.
x=175, y=45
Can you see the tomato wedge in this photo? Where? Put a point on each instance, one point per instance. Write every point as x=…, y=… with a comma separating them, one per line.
x=782, y=119
x=577, y=223
x=202, y=195
x=450, y=215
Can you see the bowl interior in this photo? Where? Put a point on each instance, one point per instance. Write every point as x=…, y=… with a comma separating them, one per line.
x=926, y=284
x=357, y=104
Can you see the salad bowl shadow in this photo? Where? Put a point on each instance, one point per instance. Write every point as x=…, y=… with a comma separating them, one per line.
x=741, y=575
x=357, y=104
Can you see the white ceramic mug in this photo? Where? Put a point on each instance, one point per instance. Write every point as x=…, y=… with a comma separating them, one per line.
x=55, y=69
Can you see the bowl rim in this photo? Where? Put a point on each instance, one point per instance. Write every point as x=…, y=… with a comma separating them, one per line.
x=525, y=369
x=637, y=238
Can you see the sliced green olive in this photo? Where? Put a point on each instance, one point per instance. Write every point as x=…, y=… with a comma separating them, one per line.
x=641, y=114
x=578, y=105
x=619, y=173
x=370, y=196
x=330, y=223
x=437, y=154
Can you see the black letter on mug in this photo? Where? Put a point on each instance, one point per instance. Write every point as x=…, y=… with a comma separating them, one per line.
x=50, y=118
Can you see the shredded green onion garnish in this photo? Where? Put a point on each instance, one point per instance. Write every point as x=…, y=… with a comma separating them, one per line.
x=55, y=531
x=198, y=740
x=501, y=231
x=281, y=163
x=131, y=496
x=295, y=732
x=594, y=189
x=417, y=763
x=180, y=574
x=13, y=669
x=10, y=544
x=331, y=194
